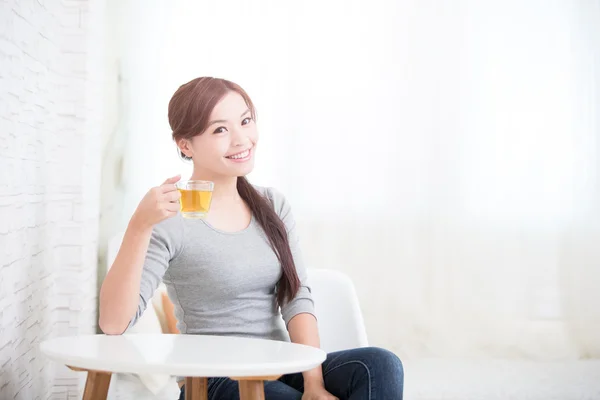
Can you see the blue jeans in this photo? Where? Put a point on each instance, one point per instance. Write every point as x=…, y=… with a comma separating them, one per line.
x=368, y=373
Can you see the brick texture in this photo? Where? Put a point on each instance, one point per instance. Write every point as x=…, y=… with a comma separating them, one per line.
x=50, y=128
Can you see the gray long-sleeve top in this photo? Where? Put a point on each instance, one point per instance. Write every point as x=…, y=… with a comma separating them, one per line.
x=223, y=283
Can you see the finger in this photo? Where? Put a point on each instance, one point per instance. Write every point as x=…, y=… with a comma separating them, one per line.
x=172, y=196
x=168, y=214
x=172, y=180
x=168, y=187
x=172, y=207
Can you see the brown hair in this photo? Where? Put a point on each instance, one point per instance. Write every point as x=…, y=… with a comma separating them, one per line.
x=189, y=113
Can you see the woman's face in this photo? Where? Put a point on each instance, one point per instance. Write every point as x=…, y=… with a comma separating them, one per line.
x=226, y=148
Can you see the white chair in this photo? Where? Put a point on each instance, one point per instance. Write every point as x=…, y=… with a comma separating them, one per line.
x=339, y=317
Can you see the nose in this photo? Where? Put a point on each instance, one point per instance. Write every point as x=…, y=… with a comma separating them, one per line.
x=238, y=138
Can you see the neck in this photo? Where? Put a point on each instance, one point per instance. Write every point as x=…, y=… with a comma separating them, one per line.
x=225, y=186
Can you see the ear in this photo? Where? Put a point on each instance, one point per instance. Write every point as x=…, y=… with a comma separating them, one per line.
x=185, y=146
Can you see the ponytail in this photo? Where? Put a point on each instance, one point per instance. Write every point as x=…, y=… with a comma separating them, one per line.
x=276, y=232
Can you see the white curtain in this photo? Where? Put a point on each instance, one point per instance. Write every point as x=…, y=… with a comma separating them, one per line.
x=441, y=153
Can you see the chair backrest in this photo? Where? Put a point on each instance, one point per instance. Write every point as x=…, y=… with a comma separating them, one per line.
x=339, y=317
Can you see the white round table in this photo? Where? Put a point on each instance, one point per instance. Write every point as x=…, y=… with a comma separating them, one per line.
x=196, y=357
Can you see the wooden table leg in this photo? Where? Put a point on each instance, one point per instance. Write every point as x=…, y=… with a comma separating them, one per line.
x=96, y=384
x=196, y=388
x=252, y=390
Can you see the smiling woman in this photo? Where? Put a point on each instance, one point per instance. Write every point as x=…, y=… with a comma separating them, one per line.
x=238, y=271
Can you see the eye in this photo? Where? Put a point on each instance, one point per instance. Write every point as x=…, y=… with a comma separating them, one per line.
x=220, y=129
x=246, y=121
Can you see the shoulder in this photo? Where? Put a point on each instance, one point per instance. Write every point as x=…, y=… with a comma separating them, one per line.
x=170, y=226
x=274, y=196
x=170, y=232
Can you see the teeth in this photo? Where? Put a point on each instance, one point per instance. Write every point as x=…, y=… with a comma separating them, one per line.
x=241, y=155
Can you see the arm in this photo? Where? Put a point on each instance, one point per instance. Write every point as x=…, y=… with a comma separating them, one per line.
x=141, y=262
x=303, y=330
x=137, y=271
x=119, y=294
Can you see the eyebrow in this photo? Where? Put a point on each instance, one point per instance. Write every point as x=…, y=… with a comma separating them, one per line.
x=223, y=121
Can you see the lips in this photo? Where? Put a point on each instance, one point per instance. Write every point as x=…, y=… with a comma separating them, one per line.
x=240, y=155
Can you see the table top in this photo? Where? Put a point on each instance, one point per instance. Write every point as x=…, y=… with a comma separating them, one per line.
x=183, y=355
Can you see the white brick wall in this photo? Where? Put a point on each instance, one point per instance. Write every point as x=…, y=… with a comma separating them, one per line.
x=50, y=125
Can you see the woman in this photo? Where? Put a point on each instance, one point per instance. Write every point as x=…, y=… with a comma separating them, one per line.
x=238, y=271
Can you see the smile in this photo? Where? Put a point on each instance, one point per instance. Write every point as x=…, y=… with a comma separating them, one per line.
x=242, y=156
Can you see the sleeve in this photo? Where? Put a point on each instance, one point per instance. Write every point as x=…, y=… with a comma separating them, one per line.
x=303, y=302
x=161, y=250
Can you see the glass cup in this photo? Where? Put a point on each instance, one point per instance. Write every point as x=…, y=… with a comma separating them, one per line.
x=195, y=198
